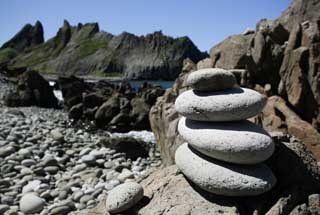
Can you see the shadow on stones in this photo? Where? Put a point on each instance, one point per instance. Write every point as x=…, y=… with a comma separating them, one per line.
x=256, y=171
x=135, y=210
x=217, y=93
x=297, y=176
x=243, y=125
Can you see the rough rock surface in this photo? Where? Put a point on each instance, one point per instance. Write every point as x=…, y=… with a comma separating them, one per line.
x=278, y=117
x=84, y=49
x=211, y=79
x=124, y=196
x=228, y=105
x=116, y=107
x=231, y=53
x=164, y=117
x=31, y=89
x=236, y=142
x=300, y=11
x=222, y=178
x=282, y=54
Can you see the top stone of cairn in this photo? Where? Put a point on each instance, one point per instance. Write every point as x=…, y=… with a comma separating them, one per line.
x=211, y=79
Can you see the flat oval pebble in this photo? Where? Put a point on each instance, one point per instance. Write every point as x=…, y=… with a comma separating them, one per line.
x=222, y=178
x=228, y=105
x=240, y=142
x=211, y=79
x=124, y=196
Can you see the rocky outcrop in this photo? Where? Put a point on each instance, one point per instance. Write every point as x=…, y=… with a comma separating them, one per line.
x=132, y=147
x=298, y=12
x=283, y=54
x=164, y=117
x=31, y=89
x=84, y=49
x=115, y=107
x=278, y=117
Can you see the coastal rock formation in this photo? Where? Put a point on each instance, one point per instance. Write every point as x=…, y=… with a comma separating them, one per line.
x=278, y=117
x=283, y=54
x=85, y=50
x=117, y=107
x=31, y=89
x=212, y=136
x=27, y=37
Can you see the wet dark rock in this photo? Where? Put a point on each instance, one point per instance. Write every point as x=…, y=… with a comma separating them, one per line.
x=132, y=148
x=32, y=89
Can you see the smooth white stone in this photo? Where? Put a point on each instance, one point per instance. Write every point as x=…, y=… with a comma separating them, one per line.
x=240, y=142
x=228, y=105
x=31, y=204
x=222, y=178
x=211, y=79
x=124, y=196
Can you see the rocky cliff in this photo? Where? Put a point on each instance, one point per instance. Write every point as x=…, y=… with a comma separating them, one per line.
x=283, y=53
x=85, y=50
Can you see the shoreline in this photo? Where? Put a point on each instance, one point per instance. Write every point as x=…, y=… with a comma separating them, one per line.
x=57, y=159
x=85, y=77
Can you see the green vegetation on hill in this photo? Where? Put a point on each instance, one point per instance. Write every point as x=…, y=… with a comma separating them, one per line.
x=85, y=50
x=6, y=54
x=88, y=47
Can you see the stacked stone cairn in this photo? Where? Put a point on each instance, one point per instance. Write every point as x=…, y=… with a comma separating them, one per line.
x=224, y=152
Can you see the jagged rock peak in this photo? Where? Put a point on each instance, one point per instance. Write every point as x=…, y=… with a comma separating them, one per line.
x=64, y=34
x=28, y=36
x=300, y=11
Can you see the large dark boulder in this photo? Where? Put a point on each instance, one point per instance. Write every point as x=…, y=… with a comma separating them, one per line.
x=132, y=148
x=232, y=52
x=107, y=111
x=72, y=89
x=32, y=89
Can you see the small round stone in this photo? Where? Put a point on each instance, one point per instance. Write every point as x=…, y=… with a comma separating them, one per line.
x=228, y=105
x=211, y=79
x=31, y=203
x=223, y=178
x=124, y=196
x=240, y=142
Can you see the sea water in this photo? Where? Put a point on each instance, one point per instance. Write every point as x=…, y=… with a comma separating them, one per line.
x=135, y=84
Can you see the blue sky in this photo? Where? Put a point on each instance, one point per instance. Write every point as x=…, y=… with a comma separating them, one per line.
x=206, y=22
